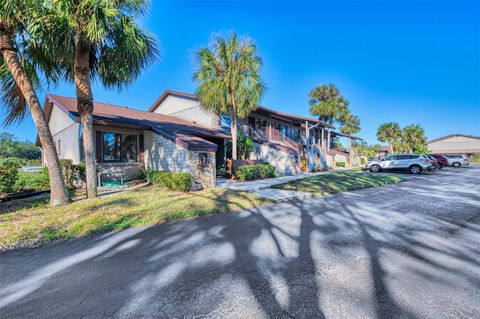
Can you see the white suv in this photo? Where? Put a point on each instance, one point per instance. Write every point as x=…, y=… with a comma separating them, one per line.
x=457, y=160
x=414, y=163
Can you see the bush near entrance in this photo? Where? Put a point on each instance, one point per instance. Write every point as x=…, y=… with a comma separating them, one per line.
x=171, y=180
x=257, y=171
x=340, y=164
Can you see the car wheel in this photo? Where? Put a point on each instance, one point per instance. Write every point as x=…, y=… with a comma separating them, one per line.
x=375, y=168
x=415, y=169
x=456, y=164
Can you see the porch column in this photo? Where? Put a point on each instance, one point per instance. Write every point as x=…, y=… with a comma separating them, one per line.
x=323, y=137
x=269, y=129
x=307, y=145
x=328, y=140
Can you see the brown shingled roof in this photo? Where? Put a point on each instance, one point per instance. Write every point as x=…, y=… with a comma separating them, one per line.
x=181, y=131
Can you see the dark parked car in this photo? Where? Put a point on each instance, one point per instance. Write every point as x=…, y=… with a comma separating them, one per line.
x=433, y=161
x=442, y=160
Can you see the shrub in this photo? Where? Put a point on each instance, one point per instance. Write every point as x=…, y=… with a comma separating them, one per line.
x=171, y=180
x=34, y=162
x=8, y=177
x=223, y=172
x=340, y=164
x=362, y=161
x=267, y=170
x=28, y=181
x=252, y=172
x=475, y=158
x=13, y=162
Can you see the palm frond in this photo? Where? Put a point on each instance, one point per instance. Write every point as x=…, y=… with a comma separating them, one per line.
x=228, y=75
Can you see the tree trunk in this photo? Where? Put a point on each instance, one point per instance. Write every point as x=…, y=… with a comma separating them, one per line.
x=233, y=125
x=58, y=192
x=85, y=110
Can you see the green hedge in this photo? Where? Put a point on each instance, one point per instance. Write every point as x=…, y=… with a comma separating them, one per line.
x=13, y=161
x=363, y=161
x=171, y=180
x=340, y=164
x=257, y=171
x=8, y=177
x=32, y=181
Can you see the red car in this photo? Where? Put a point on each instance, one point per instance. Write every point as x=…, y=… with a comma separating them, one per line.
x=442, y=160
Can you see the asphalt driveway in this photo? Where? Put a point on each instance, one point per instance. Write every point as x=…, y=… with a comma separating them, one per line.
x=410, y=250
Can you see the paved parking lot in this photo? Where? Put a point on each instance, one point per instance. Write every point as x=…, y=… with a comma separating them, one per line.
x=409, y=250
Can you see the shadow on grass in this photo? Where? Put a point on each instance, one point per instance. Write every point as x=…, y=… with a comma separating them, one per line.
x=338, y=182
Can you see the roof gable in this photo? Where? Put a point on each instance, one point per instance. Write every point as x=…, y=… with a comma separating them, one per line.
x=452, y=135
x=166, y=93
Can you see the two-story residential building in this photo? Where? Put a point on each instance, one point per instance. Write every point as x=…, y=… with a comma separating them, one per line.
x=177, y=134
x=280, y=138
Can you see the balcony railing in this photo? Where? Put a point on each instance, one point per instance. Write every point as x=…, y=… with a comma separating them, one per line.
x=266, y=134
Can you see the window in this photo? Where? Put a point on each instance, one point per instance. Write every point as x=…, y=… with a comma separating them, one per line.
x=225, y=120
x=119, y=147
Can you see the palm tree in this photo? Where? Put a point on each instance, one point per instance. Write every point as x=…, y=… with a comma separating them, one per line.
x=100, y=40
x=391, y=133
x=322, y=101
x=413, y=137
x=228, y=79
x=350, y=124
x=327, y=103
x=23, y=61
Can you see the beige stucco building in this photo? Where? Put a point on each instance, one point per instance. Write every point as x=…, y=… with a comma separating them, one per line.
x=455, y=144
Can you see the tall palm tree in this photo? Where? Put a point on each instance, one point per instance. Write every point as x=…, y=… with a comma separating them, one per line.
x=413, y=137
x=228, y=79
x=350, y=124
x=327, y=103
x=322, y=101
x=391, y=133
x=22, y=63
x=100, y=41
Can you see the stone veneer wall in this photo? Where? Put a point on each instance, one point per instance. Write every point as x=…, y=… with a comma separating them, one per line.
x=203, y=169
x=162, y=154
x=285, y=163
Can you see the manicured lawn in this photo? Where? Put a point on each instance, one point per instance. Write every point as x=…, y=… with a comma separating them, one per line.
x=39, y=223
x=339, y=182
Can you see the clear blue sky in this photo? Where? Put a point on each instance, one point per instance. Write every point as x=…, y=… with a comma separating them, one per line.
x=410, y=62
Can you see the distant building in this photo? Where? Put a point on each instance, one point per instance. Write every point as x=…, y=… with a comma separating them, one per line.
x=455, y=144
x=384, y=151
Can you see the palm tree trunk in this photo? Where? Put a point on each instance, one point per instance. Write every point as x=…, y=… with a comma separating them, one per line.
x=233, y=125
x=85, y=110
x=58, y=192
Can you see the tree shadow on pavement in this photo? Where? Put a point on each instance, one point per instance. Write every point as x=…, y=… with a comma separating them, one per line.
x=287, y=260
